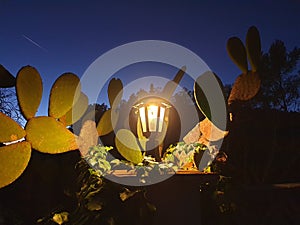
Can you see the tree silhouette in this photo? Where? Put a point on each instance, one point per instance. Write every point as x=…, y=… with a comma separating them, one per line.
x=280, y=80
x=9, y=104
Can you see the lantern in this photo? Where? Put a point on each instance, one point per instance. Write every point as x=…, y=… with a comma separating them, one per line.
x=153, y=115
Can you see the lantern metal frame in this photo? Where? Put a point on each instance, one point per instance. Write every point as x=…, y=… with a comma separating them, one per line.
x=153, y=114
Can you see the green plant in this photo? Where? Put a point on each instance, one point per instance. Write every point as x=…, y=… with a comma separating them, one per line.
x=182, y=154
x=103, y=163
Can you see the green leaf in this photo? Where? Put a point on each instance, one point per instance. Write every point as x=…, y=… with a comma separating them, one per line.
x=7, y=80
x=115, y=91
x=253, y=47
x=14, y=159
x=237, y=53
x=48, y=135
x=29, y=89
x=128, y=147
x=64, y=93
x=10, y=130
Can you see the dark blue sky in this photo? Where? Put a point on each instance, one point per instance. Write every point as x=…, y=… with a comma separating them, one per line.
x=67, y=36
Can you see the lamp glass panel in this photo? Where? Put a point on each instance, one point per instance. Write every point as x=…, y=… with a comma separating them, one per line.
x=143, y=118
x=161, y=118
x=152, y=117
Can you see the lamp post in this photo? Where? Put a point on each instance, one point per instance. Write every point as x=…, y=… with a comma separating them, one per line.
x=153, y=114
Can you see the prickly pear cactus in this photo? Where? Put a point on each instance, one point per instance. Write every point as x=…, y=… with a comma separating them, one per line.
x=48, y=134
x=244, y=88
x=247, y=85
x=44, y=134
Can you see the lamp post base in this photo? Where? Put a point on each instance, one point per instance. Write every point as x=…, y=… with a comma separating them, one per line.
x=154, y=149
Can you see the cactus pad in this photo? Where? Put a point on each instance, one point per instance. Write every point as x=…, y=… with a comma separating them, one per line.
x=64, y=93
x=10, y=129
x=6, y=79
x=115, y=91
x=29, y=89
x=77, y=111
x=128, y=147
x=237, y=53
x=253, y=47
x=201, y=98
x=171, y=85
x=107, y=122
x=14, y=159
x=245, y=87
x=48, y=135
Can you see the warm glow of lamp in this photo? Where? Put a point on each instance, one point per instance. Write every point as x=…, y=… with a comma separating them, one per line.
x=143, y=118
x=152, y=115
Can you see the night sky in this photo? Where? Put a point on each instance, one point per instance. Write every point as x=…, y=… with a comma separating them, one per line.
x=67, y=36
